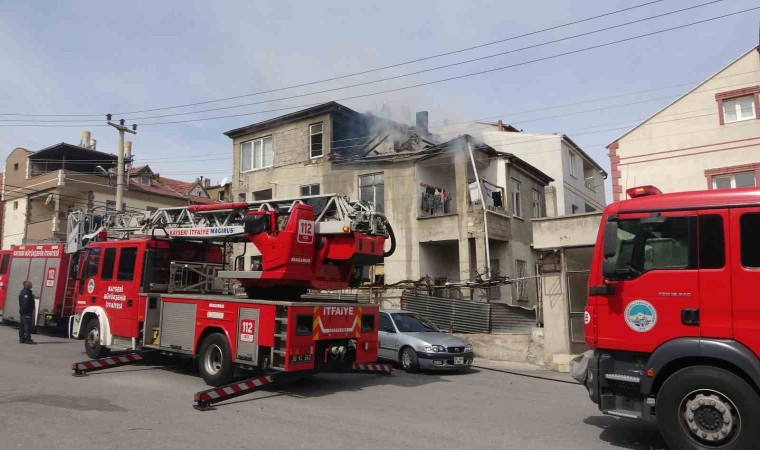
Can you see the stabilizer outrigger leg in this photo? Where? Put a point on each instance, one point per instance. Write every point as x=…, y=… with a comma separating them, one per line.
x=380, y=369
x=80, y=369
x=204, y=399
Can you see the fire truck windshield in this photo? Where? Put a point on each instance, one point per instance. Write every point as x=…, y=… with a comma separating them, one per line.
x=642, y=246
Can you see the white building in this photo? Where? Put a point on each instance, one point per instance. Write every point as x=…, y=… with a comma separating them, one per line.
x=578, y=179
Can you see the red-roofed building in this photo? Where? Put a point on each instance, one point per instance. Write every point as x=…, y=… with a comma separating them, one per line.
x=41, y=188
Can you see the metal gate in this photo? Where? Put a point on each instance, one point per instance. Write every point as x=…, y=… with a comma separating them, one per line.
x=453, y=315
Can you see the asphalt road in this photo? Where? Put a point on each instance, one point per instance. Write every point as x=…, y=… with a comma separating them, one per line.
x=146, y=406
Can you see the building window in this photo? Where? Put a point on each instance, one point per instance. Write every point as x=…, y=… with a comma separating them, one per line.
x=574, y=209
x=521, y=271
x=310, y=189
x=15, y=167
x=588, y=208
x=145, y=179
x=536, y=204
x=734, y=180
x=315, y=140
x=516, y=202
x=15, y=206
x=256, y=154
x=110, y=205
x=221, y=196
x=241, y=197
x=739, y=108
x=264, y=194
x=371, y=190
x=573, y=165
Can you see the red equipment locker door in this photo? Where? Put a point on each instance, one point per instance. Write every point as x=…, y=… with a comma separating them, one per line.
x=745, y=275
x=658, y=257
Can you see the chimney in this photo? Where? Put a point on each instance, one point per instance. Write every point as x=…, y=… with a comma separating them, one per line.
x=128, y=149
x=422, y=120
x=85, y=141
x=206, y=183
x=501, y=125
x=93, y=144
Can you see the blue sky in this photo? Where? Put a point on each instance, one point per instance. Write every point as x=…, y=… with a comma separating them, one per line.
x=90, y=57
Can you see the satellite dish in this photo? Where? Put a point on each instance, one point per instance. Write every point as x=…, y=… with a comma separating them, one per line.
x=224, y=181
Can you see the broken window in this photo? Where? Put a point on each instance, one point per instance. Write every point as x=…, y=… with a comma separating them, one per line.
x=371, y=190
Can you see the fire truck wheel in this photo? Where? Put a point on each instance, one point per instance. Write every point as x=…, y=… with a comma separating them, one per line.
x=215, y=360
x=706, y=407
x=92, y=340
x=409, y=360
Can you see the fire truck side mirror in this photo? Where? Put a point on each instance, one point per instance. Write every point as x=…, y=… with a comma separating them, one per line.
x=609, y=271
x=610, y=239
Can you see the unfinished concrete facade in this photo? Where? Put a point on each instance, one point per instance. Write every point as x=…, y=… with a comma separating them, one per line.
x=438, y=195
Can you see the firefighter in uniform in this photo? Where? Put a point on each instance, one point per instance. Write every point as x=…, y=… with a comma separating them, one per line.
x=25, y=310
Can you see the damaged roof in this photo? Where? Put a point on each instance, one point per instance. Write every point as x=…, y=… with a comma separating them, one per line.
x=330, y=107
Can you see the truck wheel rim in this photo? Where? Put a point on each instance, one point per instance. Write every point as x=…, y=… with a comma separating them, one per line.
x=406, y=359
x=93, y=338
x=213, y=359
x=710, y=418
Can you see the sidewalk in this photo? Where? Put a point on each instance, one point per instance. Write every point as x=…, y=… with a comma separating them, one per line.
x=524, y=369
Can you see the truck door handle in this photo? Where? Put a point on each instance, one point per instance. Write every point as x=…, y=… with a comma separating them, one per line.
x=690, y=316
x=603, y=289
x=129, y=302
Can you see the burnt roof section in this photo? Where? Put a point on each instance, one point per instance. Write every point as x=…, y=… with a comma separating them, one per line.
x=330, y=107
x=68, y=152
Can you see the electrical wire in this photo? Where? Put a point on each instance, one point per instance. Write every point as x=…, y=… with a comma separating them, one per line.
x=432, y=69
x=426, y=58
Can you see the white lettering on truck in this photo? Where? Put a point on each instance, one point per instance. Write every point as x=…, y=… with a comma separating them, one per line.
x=338, y=310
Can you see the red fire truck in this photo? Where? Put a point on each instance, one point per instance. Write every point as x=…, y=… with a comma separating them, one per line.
x=46, y=266
x=673, y=315
x=160, y=287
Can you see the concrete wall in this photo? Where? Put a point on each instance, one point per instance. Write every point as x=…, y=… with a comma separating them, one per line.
x=673, y=149
x=565, y=231
x=556, y=316
x=14, y=222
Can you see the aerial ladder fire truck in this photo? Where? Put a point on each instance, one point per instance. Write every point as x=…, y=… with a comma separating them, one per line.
x=160, y=282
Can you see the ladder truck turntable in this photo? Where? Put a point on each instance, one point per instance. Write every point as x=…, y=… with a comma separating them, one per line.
x=673, y=315
x=158, y=282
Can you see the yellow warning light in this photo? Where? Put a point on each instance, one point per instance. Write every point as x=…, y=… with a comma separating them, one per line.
x=346, y=229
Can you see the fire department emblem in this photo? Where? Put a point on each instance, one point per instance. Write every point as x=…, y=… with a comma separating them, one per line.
x=90, y=286
x=640, y=316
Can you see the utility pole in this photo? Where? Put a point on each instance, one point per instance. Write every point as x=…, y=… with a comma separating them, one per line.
x=120, y=160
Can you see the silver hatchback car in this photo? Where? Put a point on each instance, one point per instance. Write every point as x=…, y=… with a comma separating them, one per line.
x=414, y=342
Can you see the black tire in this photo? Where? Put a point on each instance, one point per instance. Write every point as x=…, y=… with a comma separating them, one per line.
x=92, y=340
x=215, y=360
x=409, y=360
x=720, y=389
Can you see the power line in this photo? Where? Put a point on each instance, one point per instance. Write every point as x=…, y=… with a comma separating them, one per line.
x=428, y=83
x=439, y=55
x=445, y=66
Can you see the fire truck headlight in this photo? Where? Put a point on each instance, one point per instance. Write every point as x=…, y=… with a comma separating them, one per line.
x=342, y=350
x=334, y=350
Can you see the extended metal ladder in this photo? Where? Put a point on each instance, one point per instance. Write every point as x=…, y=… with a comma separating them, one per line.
x=222, y=222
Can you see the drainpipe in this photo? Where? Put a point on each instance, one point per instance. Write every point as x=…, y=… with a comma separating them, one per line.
x=485, y=211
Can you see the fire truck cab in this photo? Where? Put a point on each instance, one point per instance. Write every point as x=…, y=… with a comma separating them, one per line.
x=673, y=315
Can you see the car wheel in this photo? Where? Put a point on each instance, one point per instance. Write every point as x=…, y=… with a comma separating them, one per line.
x=215, y=360
x=707, y=407
x=92, y=341
x=409, y=361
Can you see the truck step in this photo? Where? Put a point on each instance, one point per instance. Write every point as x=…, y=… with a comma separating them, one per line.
x=278, y=352
x=280, y=336
x=623, y=413
x=624, y=378
x=281, y=319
